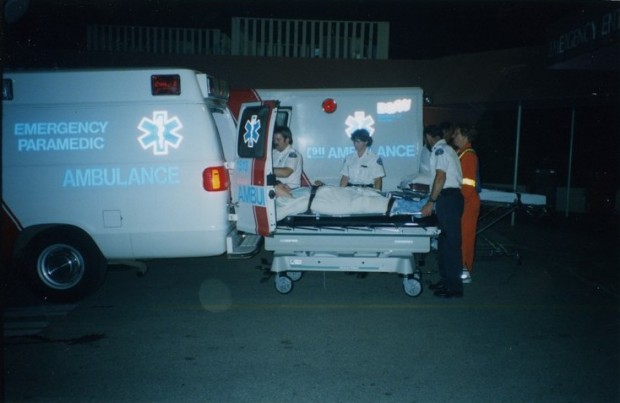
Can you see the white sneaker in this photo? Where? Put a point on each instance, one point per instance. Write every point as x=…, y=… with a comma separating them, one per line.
x=465, y=276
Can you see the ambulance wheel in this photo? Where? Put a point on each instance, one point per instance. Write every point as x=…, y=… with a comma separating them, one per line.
x=294, y=275
x=412, y=287
x=284, y=284
x=64, y=265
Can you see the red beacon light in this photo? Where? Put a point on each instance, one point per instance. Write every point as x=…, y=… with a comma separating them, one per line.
x=166, y=84
x=329, y=105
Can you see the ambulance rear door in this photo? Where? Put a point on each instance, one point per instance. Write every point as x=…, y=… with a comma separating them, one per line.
x=254, y=198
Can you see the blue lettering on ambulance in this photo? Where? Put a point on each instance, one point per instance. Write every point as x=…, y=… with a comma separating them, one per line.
x=254, y=195
x=59, y=128
x=60, y=144
x=243, y=165
x=384, y=151
x=397, y=151
x=339, y=152
x=119, y=177
x=315, y=153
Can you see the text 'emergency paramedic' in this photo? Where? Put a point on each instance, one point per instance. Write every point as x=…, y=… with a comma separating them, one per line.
x=109, y=177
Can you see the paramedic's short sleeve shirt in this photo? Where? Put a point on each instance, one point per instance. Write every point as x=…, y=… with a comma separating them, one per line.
x=444, y=157
x=289, y=158
x=362, y=170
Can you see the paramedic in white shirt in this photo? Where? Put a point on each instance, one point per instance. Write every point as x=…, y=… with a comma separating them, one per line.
x=362, y=168
x=447, y=202
x=287, y=162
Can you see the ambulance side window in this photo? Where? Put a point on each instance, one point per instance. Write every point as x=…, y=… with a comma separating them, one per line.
x=251, y=139
x=283, y=117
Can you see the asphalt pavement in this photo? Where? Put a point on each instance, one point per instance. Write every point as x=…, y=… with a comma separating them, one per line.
x=539, y=323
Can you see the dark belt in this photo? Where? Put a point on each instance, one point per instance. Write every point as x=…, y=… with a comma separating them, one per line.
x=360, y=185
x=448, y=191
x=313, y=190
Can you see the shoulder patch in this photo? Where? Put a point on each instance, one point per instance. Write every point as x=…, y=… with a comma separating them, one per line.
x=439, y=151
x=293, y=155
x=379, y=161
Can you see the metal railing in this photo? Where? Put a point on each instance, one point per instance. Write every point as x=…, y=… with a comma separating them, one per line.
x=251, y=37
x=190, y=41
x=309, y=38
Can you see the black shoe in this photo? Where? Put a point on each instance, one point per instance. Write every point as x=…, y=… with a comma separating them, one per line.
x=436, y=286
x=446, y=293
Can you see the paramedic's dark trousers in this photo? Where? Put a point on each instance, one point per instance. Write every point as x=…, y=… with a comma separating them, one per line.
x=449, y=209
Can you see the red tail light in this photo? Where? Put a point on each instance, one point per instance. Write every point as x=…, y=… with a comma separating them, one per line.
x=215, y=179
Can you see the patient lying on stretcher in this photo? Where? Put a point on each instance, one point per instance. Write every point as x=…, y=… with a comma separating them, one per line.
x=336, y=200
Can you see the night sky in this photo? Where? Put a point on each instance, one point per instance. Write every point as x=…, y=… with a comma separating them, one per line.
x=418, y=29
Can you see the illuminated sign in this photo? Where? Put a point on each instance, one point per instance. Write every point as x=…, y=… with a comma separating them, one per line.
x=160, y=133
x=383, y=151
x=59, y=136
x=60, y=128
x=115, y=176
x=390, y=108
x=251, y=135
x=359, y=120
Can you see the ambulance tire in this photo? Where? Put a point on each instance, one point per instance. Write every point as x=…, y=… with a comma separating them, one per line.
x=64, y=265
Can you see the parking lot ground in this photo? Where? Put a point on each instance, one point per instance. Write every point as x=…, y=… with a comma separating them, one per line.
x=544, y=329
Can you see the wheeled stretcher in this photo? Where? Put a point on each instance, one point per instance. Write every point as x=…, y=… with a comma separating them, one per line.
x=353, y=243
x=497, y=205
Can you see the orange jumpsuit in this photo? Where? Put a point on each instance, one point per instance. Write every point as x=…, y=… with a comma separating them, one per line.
x=469, y=219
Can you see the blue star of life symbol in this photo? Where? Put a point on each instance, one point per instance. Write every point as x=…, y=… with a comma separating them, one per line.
x=160, y=133
x=251, y=131
x=359, y=121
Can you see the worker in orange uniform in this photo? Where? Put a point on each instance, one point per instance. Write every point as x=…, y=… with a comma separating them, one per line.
x=464, y=134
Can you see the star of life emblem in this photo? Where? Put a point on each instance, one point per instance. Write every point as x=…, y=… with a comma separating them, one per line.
x=160, y=133
x=250, y=137
x=359, y=121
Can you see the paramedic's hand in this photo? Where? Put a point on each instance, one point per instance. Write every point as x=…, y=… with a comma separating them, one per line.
x=427, y=209
x=283, y=190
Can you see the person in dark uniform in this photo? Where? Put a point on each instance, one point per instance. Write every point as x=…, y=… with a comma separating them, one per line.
x=447, y=202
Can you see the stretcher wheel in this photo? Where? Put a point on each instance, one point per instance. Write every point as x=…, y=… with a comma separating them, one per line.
x=412, y=287
x=294, y=275
x=284, y=284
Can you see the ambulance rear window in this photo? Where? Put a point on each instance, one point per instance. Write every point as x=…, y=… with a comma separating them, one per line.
x=166, y=84
x=7, y=89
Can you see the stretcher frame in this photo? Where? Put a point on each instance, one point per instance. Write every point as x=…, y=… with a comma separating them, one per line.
x=356, y=243
x=500, y=205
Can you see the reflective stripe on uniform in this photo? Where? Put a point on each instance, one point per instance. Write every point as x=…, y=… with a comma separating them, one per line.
x=469, y=182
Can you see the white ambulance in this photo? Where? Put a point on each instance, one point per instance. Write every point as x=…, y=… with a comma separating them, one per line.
x=322, y=121
x=101, y=166
x=108, y=165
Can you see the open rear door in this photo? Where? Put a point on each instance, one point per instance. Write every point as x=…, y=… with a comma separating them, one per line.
x=255, y=196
